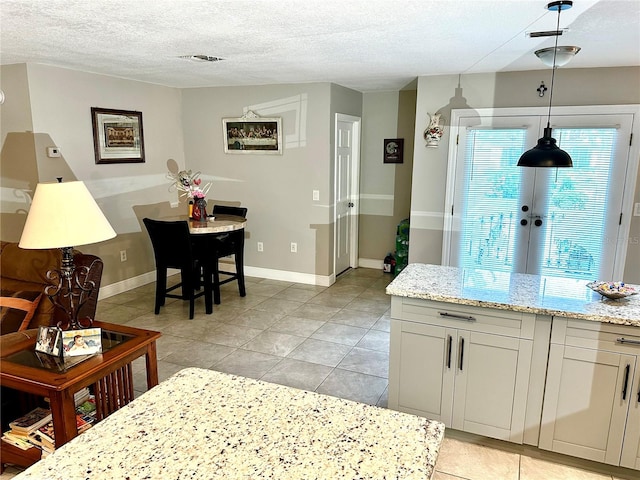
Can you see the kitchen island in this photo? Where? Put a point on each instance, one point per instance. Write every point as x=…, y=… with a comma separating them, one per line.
x=206, y=424
x=528, y=359
x=518, y=292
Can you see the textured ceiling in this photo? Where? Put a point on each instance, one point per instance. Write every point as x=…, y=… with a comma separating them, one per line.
x=366, y=45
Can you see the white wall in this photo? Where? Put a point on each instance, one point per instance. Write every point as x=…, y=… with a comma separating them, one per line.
x=60, y=109
x=276, y=189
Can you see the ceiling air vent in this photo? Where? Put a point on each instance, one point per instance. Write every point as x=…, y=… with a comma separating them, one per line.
x=548, y=33
x=201, y=58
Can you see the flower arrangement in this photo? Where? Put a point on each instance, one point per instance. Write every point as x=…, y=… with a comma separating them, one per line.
x=189, y=184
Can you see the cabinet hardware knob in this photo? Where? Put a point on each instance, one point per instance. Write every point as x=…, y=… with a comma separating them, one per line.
x=523, y=222
x=525, y=208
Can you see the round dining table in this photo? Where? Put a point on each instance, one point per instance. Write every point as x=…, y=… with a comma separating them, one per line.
x=220, y=235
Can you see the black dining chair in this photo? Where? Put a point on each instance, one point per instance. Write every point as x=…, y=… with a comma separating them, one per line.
x=225, y=245
x=172, y=248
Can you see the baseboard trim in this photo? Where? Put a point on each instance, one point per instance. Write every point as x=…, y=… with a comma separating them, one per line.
x=370, y=263
x=271, y=274
x=286, y=276
x=127, y=284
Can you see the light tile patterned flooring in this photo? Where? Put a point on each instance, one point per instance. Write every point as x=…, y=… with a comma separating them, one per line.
x=331, y=340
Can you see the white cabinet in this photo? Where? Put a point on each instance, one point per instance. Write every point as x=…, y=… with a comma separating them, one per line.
x=468, y=367
x=592, y=398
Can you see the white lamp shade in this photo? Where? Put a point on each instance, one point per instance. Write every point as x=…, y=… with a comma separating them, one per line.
x=64, y=215
x=564, y=54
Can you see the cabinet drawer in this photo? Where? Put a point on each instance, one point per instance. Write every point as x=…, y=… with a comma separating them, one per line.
x=596, y=335
x=475, y=319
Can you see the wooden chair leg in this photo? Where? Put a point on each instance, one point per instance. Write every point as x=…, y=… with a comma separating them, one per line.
x=239, y=257
x=208, y=287
x=216, y=283
x=161, y=288
x=240, y=275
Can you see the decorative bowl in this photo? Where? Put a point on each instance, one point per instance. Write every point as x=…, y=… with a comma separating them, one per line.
x=612, y=290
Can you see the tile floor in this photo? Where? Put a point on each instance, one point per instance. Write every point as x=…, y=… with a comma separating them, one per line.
x=331, y=340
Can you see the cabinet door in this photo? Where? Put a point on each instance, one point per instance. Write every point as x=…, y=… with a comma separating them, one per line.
x=492, y=374
x=585, y=410
x=420, y=373
x=631, y=445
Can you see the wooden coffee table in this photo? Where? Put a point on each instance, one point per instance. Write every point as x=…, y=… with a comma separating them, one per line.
x=110, y=374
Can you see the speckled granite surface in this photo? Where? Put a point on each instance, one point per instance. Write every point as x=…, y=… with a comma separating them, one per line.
x=514, y=291
x=202, y=424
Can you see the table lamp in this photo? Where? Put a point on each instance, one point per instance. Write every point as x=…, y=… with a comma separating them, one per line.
x=63, y=215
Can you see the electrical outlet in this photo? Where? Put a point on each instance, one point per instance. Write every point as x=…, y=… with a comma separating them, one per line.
x=123, y=255
x=260, y=247
x=294, y=247
x=316, y=195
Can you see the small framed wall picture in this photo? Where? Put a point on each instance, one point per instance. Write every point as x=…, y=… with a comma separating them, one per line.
x=117, y=136
x=393, y=150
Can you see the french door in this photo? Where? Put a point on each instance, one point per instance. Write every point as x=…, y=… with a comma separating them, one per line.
x=563, y=222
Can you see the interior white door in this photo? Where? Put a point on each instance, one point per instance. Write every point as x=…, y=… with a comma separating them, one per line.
x=346, y=192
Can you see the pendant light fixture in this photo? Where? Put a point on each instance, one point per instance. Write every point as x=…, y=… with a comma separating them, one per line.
x=547, y=153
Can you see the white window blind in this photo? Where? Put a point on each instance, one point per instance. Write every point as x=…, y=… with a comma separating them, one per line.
x=576, y=202
x=491, y=190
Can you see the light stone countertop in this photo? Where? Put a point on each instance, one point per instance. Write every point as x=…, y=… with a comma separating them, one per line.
x=560, y=297
x=202, y=424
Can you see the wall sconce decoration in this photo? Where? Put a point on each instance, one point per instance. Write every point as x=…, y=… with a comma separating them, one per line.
x=434, y=131
x=541, y=89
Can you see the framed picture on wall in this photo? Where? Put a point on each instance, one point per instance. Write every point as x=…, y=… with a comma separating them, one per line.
x=393, y=150
x=117, y=136
x=252, y=134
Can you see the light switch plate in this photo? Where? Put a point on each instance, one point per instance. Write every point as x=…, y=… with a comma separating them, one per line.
x=636, y=210
x=316, y=195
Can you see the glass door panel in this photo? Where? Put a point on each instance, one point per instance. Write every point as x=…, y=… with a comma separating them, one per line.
x=579, y=207
x=491, y=192
x=557, y=222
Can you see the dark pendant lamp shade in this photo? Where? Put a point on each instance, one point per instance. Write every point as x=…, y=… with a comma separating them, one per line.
x=545, y=154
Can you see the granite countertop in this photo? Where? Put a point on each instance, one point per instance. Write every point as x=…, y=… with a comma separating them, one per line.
x=560, y=297
x=202, y=424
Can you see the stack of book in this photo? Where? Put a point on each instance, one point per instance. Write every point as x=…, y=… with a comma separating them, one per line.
x=24, y=426
x=35, y=429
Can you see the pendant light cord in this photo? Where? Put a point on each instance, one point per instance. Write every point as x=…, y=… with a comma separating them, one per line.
x=553, y=67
